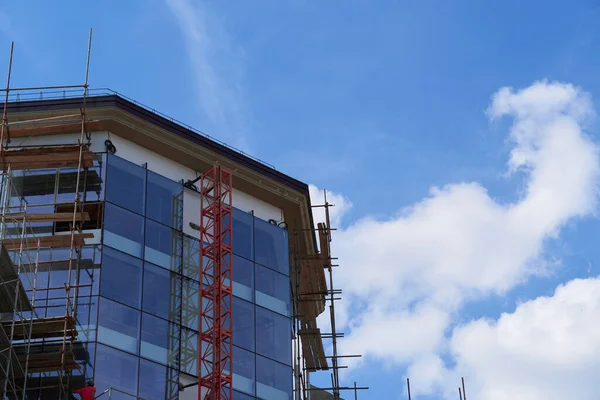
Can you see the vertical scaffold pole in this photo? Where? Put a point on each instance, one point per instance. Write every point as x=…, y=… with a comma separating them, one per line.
x=215, y=339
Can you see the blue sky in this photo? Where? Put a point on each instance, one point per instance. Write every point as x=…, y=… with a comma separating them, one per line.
x=378, y=102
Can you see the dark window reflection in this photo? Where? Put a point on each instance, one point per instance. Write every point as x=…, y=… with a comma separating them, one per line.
x=125, y=184
x=273, y=380
x=117, y=370
x=164, y=201
x=273, y=335
x=118, y=326
x=271, y=246
x=123, y=230
x=272, y=290
x=242, y=234
x=243, y=324
x=189, y=304
x=162, y=292
x=191, y=257
x=121, y=277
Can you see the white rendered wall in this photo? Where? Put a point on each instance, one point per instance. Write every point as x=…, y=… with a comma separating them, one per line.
x=163, y=166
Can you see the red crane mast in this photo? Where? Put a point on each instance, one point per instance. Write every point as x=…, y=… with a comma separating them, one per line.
x=215, y=339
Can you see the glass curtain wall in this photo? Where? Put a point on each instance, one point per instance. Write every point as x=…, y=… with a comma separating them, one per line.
x=146, y=337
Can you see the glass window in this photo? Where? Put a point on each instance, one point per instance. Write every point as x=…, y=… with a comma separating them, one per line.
x=243, y=324
x=242, y=234
x=241, y=396
x=160, y=340
x=191, y=257
x=243, y=370
x=272, y=290
x=86, y=317
x=123, y=230
x=85, y=356
x=189, y=352
x=157, y=382
x=189, y=307
x=125, y=184
x=162, y=246
x=92, y=178
x=117, y=370
x=273, y=336
x=243, y=278
x=273, y=380
x=118, y=326
x=36, y=187
x=164, y=202
x=89, y=271
x=166, y=283
x=121, y=277
x=271, y=246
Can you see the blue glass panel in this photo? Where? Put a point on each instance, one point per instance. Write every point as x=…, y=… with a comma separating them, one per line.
x=166, y=283
x=191, y=257
x=190, y=298
x=89, y=271
x=242, y=234
x=241, y=396
x=243, y=324
x=157, y=382
x=271, y=246
x=117, y=370
x=243, y=278
x=125, y=184
x=273, y=380
x=243, y=370
x=164, y=200
x=273, y=336
x=121, y=277
x=160, y=340
x=189, y=352
x=123, y=230
x=272, y=290
x=86, y=318
x=119, y=326
x=162, y=246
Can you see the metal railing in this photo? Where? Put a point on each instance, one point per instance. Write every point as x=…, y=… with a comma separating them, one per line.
x=110, y=391
x=54, y=93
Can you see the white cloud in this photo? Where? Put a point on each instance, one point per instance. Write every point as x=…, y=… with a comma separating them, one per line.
x=216, y=68
x=409, y=275
x=549, y=348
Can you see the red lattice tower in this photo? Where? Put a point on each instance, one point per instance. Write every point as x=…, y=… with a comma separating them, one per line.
x=215, y=344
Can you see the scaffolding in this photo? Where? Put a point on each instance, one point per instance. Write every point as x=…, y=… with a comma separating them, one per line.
x=39, y=347
x=314, y=290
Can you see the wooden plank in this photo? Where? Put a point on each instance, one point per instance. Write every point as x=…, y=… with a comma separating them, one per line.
x=46, y=362
x=46, y=335
x=50, y=217
x=51, y=129
x=46, y=157
x=48, y=241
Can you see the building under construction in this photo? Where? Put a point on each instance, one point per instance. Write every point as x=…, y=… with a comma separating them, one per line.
x=159, y=262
